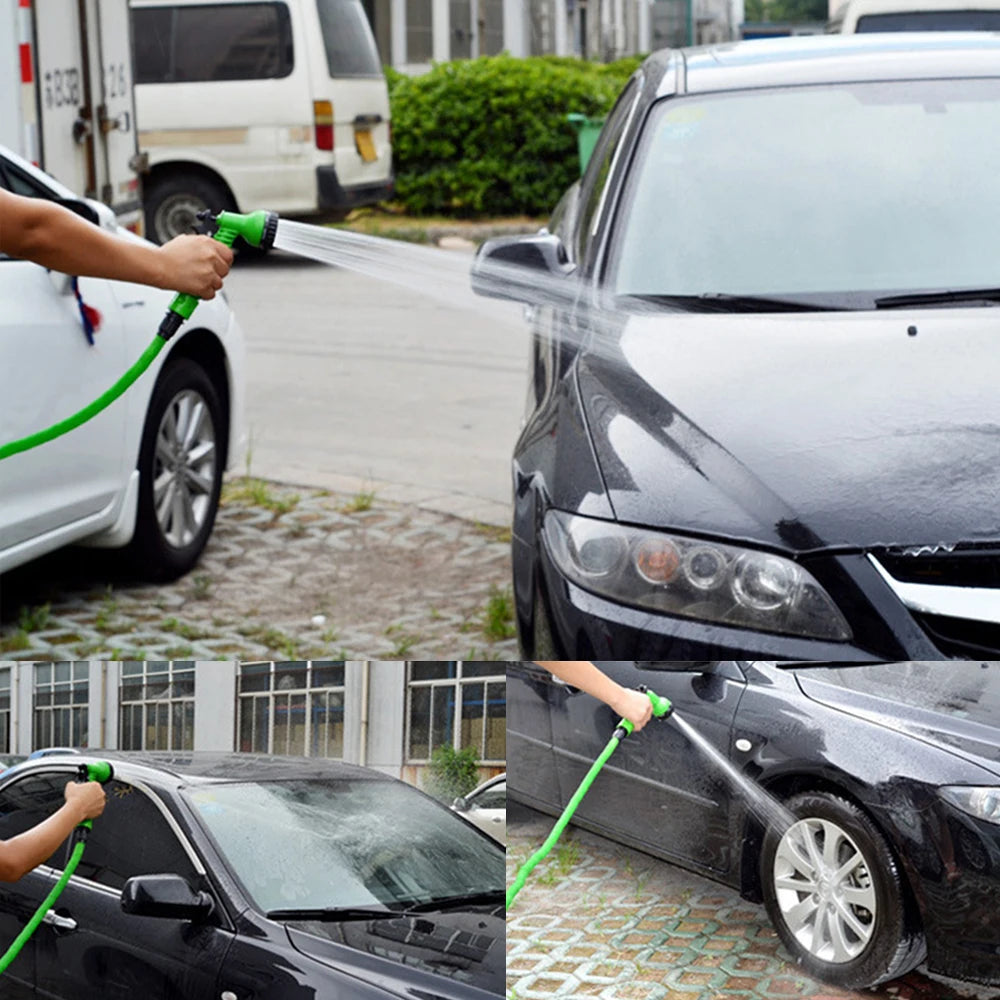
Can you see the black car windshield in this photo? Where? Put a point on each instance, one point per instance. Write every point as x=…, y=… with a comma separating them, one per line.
x=315, y=844
x=845, y=192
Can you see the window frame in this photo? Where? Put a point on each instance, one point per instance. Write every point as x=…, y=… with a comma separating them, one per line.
x=146, y=703
x=456, y=683
x=285, y=41
x=309, y=691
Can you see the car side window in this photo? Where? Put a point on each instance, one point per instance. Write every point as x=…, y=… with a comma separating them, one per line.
x=132, y=837
x=595, y=177
x=494, y=798
x=27, y=802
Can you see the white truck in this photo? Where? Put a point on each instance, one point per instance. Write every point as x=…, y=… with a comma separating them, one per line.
x=67, y=100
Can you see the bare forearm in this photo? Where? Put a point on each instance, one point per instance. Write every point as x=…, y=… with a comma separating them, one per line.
x=584, y=675
x=29, y=849
x=56, y=238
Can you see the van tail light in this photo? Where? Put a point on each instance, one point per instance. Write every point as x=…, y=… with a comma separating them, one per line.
x=323, y=120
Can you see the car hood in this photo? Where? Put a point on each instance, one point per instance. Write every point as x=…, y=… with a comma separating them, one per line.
x=953, y=705
x=801, y=430
x=453, y=955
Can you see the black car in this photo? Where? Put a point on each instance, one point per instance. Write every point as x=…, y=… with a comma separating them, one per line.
x=890, y=773
x=254, y=878
x=763, y=418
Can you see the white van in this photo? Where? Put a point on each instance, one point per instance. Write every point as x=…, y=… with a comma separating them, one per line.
x=915, y=15
x=250, y=104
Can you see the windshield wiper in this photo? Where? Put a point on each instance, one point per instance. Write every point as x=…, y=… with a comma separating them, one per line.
x=942, y=296
x=470, y=899
x=334, y=913
x=724, y=302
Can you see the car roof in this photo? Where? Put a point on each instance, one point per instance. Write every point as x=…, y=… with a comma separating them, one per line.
x=814, y=59
x=180, y=768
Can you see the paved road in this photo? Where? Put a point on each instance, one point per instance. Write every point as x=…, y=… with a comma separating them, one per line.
x=359, y=383
x=600, y=920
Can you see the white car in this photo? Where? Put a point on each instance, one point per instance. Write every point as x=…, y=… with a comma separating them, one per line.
x=486, y=807
x=145, y=474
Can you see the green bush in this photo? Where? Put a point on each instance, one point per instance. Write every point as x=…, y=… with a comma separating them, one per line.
x=489, y=136
x=452, y=772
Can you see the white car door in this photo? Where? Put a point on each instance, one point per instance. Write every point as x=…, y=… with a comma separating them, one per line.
x=48, y=371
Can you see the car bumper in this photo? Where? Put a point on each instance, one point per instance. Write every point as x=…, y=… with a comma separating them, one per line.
x=959, y=884
x=332, y=195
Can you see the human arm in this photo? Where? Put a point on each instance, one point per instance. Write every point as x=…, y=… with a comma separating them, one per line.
x=582, y=674
x=48, y=234
x=20, y=854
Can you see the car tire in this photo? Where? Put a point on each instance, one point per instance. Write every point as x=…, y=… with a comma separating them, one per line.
x=853, y=929
x=174, y=200
x=180, y=472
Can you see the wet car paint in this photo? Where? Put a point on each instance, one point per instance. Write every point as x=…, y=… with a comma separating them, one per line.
x=112, y=954
x=823, y=436
x=661, y=796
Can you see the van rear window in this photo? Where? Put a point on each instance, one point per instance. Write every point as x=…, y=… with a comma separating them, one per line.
x=347, y=36
x=932, y=20
x=240, y=41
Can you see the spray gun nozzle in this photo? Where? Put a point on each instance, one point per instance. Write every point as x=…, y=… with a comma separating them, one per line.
x=662, y=707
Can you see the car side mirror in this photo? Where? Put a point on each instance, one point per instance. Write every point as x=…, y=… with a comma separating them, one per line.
x=460, y=805
x=165, y=896
x=533, y=269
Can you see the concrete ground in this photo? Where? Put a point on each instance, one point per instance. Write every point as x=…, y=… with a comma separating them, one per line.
x=597, y=919
x=289, y=573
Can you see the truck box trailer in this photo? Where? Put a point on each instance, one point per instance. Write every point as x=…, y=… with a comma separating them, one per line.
x=67, y=100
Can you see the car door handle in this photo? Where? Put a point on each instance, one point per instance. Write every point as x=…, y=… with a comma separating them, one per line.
x=60, y=923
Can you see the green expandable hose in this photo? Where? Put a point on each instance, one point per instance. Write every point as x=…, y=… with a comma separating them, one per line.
x=257, y=228
x=103, y=772
x=91, y=410
x=29, y=928
x=661, y=709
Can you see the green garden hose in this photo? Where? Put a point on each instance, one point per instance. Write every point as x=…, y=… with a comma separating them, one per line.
x=661, y=709
x=258, y=229
x=102, y=772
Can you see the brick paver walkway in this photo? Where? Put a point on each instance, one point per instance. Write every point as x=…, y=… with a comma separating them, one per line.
x=307, y=576
x=599, y=920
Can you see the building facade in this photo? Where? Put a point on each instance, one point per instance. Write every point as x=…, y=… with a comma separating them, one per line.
x=387, y=715
x=413, y=34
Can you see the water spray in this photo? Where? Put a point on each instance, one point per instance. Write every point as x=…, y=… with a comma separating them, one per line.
x=662, y=709
x=258, y=229
x=102, y=772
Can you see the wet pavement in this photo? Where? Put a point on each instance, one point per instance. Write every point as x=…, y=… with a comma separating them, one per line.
x=597, y=919
x=289, y=573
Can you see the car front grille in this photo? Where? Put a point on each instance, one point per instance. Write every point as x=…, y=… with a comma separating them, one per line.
x=953, y=594
x=961, y=637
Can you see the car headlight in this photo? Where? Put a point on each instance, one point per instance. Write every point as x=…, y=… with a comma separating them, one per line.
x=982, y=802
x=709, y=581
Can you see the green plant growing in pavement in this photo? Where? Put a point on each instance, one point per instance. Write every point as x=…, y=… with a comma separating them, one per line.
x=452, y=772
x=498, y=615
x=15, y=642
x=567, y=856
x=359, y=503
x=107, y=611
x=201, y=586
x=33, y=619
x=257, y=493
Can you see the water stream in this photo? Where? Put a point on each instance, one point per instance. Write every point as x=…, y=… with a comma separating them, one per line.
x=764, y=805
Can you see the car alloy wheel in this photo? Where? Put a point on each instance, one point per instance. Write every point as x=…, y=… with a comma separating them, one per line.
x=181, y=460
x=824, y=890
x=837, y=896
x=184, y=468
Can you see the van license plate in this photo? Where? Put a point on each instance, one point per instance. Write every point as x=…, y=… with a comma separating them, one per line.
x=365, y=145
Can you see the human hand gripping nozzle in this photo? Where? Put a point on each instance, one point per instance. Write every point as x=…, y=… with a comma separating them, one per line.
x=257, y=229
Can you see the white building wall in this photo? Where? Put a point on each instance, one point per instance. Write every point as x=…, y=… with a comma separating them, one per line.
x=215, y=706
